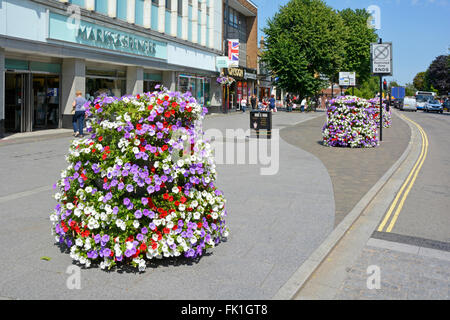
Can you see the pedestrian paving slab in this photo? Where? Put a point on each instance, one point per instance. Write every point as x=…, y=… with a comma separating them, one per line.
x=403, y=275
x=352, y=171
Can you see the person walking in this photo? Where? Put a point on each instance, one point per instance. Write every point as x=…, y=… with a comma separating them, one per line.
x=272, y=103
x=243, y=104
x=78, y=117
x=253, y=102
x=303, y=105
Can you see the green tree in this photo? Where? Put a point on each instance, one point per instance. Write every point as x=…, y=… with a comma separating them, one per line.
x=420, y=81
x=438, y=75
x=410, y=90
x=368, y=89
x=304, y=39
x=358, y=36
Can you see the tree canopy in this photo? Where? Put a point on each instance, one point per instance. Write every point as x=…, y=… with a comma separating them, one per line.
x=438, y=75
x=307, y=38
x=304, y=39
x=358, y=37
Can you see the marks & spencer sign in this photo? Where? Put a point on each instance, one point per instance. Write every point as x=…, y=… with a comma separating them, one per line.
x=90, y=34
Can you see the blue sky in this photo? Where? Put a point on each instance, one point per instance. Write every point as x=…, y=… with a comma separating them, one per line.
x=418, y=29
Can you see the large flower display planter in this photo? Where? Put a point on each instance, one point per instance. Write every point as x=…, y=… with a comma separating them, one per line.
x=350, y=124
x=387, y=115
x=140, y=185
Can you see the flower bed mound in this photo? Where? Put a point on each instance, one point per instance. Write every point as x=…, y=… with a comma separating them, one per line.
x=387, y=115
x=140, y=185
x=350, y=124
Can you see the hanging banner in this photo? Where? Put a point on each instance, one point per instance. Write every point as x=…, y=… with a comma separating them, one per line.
x=233, y=52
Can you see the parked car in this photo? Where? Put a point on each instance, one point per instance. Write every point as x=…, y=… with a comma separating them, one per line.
x=434, y=106
x=408, y=103
x=397, y=103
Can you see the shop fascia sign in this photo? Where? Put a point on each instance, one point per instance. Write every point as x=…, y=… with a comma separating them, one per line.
x=105, y=37
x=248, y=75
x=236, y=72
x=86, y=33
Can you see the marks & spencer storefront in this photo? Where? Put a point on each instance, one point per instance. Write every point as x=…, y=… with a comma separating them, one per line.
x=40, y=72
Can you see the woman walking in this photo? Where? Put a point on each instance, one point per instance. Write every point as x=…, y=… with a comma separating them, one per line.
x=78, y=117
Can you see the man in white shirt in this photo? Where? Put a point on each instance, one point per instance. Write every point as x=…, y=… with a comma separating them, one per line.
x=243, y=104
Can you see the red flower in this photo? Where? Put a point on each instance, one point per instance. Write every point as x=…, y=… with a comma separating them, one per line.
x=166, y=230
x=100, y=138
x=183, y=199
x=143, y=246
x=164, y=147
x=138, y=97
x=139, y=126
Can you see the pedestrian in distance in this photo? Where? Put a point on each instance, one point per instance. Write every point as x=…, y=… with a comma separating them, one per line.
x=272, y=103
x=253, y=102
x=243, y=104
x=79, y=111
x=303, y=105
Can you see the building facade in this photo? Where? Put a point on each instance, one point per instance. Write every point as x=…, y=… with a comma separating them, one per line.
x=240, y=22
x=50, y=49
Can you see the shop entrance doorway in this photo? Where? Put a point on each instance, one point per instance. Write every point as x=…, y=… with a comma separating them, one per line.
x=31, y=101
x=17, y=102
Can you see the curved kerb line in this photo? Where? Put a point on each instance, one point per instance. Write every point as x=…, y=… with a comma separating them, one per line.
x=414, y=172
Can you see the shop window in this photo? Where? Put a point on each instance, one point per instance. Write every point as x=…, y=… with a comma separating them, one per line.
x=109, y=82
x=180, y=7
x=122, y=9
x=139, y=12
x=168, y=5
x=101, y=6
x=199, y=87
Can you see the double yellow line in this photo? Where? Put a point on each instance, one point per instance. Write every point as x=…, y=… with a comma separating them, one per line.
x=407, y=185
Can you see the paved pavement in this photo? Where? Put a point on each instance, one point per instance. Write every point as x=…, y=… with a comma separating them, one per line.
x=275, y=222
x=352, y=171
x=413, y=260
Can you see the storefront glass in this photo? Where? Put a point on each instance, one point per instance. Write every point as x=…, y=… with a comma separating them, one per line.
x=149, y=85
x=31, y=102
x=45, y=101
x=111, y=83
x=198, y=86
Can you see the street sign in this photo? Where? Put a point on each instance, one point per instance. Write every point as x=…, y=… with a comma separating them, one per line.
x=347, y=79
x=221, y=62
x=381, y=58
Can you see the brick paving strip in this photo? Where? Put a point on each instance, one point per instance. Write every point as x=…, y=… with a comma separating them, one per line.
x=353, y=171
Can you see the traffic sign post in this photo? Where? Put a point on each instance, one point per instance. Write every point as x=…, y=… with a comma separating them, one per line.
x=381, y=64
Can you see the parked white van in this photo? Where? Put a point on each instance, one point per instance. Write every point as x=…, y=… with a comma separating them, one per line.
x=409, y=103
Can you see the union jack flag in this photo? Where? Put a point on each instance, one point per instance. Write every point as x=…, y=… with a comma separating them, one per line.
x=233, y=52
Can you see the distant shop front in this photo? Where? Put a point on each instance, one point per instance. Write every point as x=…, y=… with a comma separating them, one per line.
x=243, y=87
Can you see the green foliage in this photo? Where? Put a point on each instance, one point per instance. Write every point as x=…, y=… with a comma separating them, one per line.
x=437, y=75
x=357, y=36
x=420, y=81
x=368, y=89
x=303, y=39
x=410, y=90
